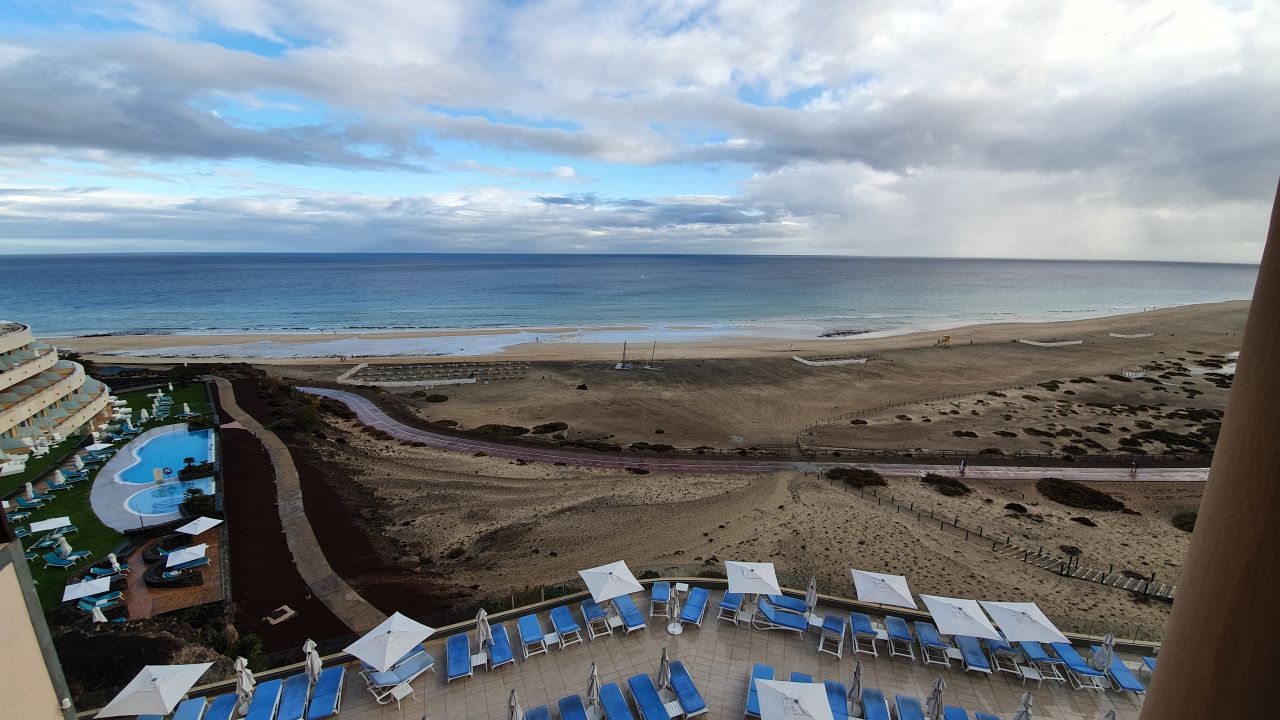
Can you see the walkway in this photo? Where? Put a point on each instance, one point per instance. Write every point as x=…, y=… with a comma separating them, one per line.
x=372, y=415
x=315, y=570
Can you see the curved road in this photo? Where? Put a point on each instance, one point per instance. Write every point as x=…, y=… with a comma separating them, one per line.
x=370, y=414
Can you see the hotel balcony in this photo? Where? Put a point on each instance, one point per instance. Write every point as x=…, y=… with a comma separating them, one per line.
x=13, y=336
x=25, y=362
x=29, y=398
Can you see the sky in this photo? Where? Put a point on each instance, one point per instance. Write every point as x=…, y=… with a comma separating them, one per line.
x=991, y=128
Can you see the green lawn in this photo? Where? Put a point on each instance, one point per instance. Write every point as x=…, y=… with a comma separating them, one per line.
x=38, y=466
x=74, y=503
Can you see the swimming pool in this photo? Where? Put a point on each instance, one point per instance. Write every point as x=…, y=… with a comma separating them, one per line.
x=166, y=497
x=167, y=450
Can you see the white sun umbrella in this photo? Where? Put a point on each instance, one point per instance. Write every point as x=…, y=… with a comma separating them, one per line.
x=154, y=691
x=958, y=616
x=1101, y=659
x=64, y=547
x=50, y=524
x=781, y=700
x=186, y=554
x=811, y=595
x=1024, y=708
x=382, y=646
x=98, y=446
x=186, y=409
x=311, y=660
x=593, y=688
x=144, y=415
x=199, y=525
x=1111, y=715
x=31, y=492
x=114, y=561
x=855, y=687
x=607, y=582
x=170, y=387
x=515, y=712
x=882, y=589
x=1023, y=621
x=75, y=459
x=483, y=629
x=75, y=591
x=933, y=705
x=664, y=671
x=244, y=684
x=97, y=615
x=750, y=578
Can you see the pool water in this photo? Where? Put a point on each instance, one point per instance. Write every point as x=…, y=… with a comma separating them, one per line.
x=166, y=497
x=166, y=451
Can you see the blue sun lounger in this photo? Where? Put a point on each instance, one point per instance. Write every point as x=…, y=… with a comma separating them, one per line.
x=951, y=712
x=768, y=617
x=838, y=698
x=500, y=652
x=648, y=702
x=660, y=600
x=458, y=657
x=542, y=712
x=971, y=651
x=596, y=617
x=326, y=697
x=909, y=708
x=631, y=617
x=797, y=676
x=380, y=684
x=864, y=634
x=1048, y=665
x=1082, y=675
x=1004, y=656
x=874, y=705
x=54, y=560
x=266, y=698
x=759, y=671
x=1122, y=678
x=1149, y=663
x=567, y=629
x=788, y=604
x=532, y=639
x=831, y=639
x=26, y=504
x=729, y=607
x=985, y=716
x=615, y=703
x=190, y=709
x=696, y=607
x=686, y=691
x=571, y=708
x=933, y=649
x=293, y=700
x=901, y=641
x=221, y=707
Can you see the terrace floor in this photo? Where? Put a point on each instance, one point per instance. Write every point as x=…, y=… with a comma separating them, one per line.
x=719, y=656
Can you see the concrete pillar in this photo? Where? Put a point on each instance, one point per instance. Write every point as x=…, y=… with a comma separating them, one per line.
x=1221, y=656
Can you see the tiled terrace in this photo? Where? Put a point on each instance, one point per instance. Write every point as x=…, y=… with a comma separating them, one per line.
x=719, y=657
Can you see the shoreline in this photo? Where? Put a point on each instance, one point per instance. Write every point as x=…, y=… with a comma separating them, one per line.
x=582, y=342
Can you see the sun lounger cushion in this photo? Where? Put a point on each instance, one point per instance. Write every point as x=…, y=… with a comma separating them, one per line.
x=646, y=697
x=1000, y=646
x=874, y=706
x=790, y=604
x=759, y=671
x=631, y=616
x=542, y=712
x=530, y=629
x=326, y=698
x=266, y=697
x=591, y=610
x=985, y=716
x=407, y=670
x=797, y=676
x=293, y=701
x=571, y=708
x=458, y=656
x=1123, y=676
x=928, y=635
x=1150, y=662
x=615, y=703
x=660, y=592
x=1035, y=653
x=1074, y=662
x=686, y=691
x=190, y=709
x=696, y=605
x=838, y=698
x=731, y=601
x=500, y=651
x=897, y=628
x=787, y=620
x=909, y=708
x=951, y=712
x=860, y=624
x=562, y=620
x=221, y=707
x=974, y=658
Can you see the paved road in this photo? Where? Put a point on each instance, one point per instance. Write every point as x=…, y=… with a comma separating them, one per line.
x=370, y=414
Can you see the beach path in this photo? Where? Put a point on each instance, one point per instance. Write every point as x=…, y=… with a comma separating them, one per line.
x=315, y=570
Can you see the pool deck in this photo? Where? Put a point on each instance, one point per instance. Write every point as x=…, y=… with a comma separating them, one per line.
x=108, y=497
x=145, y=602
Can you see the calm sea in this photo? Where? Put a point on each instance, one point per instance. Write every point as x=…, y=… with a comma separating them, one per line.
x=81, y=294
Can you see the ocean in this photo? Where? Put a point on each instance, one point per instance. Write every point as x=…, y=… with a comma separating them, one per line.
x=671, y=296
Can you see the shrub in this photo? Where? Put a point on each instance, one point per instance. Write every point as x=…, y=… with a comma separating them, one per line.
x=1084, y=521
x=651, y=447
x=1005, y=434
x=964, y=433
x=857, y=477
x=1074, y=494
x=1185, y=520
x=1016, y=508
x=1070, y=550
x=498, y=430
x=196, y=503
x=948, y=486
x=436, y=398
x=551, y=427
